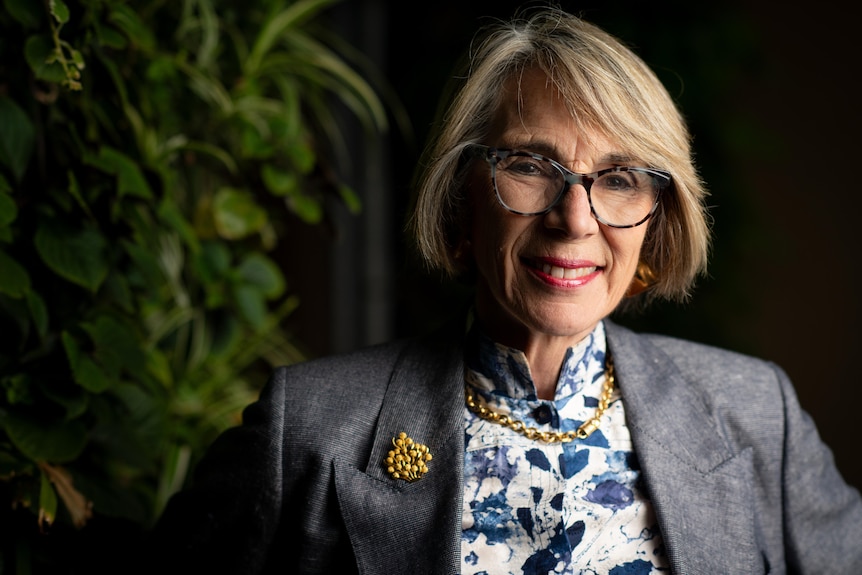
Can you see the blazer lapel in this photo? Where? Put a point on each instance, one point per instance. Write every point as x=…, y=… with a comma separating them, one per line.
x=400, y=527
x=699, y=488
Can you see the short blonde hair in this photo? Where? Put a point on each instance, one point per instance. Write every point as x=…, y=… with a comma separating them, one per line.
x=607, y=88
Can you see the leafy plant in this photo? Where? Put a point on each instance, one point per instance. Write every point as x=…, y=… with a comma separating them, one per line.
x=150, y=155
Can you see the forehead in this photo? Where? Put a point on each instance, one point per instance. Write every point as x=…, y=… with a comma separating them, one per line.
x=533, y=113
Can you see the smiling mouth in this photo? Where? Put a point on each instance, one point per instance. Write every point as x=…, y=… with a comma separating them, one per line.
x=566, y=273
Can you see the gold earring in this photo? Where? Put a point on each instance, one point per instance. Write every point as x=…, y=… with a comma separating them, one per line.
x=644, y=279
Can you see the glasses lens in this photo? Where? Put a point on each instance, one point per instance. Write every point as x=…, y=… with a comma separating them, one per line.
x=625, y=196
x=528, y=184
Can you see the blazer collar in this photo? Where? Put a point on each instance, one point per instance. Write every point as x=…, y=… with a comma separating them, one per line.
x=700, y=488
x=661, y=406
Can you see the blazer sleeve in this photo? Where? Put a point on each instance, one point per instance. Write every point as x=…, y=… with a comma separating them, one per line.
x=226, y=520
x=823, y=514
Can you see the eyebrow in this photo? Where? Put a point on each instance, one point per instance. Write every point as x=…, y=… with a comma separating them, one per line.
x=546, y=149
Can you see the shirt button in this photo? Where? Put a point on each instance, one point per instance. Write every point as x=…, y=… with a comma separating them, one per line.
x=542, y=414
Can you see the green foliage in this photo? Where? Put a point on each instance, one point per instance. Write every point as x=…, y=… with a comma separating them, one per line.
x=150, y=154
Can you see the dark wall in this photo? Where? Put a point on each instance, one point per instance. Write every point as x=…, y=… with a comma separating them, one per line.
x=769, y=98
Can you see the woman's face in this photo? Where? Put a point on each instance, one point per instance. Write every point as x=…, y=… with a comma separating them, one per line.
x=555, y=275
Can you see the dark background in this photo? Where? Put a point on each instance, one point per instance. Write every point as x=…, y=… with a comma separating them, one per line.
x=769, y=96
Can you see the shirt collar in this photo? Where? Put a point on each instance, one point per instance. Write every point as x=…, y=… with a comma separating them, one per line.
x=507, y=370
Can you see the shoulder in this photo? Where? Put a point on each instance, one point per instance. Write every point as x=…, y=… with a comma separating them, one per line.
x=694, y=357
x=361, y=364
x=353, y=385
x=366, y=370
x=334, y=386
x=718, y=376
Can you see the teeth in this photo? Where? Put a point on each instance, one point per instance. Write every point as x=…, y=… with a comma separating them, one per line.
x=567, y=273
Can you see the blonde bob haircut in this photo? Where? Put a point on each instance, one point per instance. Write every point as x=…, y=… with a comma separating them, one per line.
x=608, y=89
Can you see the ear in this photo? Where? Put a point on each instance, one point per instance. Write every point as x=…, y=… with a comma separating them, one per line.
x=644, y=279
x=463, y=251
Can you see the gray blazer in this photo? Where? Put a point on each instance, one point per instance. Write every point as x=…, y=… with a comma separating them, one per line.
x=740, y=481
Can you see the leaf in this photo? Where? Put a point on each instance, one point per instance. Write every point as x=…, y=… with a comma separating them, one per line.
x=56, y=441
x=253, y=144
x=279, y=182
x=159, y=367
x=145, y=410
x=14, y=279
x=19, y=389
x=325, y=68
x=28, y=13
x=275, y=28
x=116, y=346
x=75, y=192
x=350, y=199
x=76, y=255
x=47, y=502
x=16, y=139
x=206, y=25
x=171, y=214
x=216, y=152
x=111, y=38
x=213, y=261
x=261, y=272
x=147, y=271
x=208, y=88
x=173, y=474
x=78, y=59
x=59, y=11
x=116, y=288
x=79, y=508
x=39, y=313
x=302, y=156
x=72, y=398
x=236, y=214
x=130, y=179
x=84, y=370
x=40, y=54
x=126, y=19
x=308, y=209
x=252, y=304
x=227, y=335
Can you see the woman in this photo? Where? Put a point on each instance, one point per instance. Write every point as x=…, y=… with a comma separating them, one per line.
x=534, y=435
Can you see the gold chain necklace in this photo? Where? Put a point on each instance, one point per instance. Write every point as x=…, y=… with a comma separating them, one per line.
x=519, y=426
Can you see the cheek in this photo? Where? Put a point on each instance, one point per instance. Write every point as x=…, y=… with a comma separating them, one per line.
x=485, y=241
x=495, y=233
x=627, y=248
x=482, y=217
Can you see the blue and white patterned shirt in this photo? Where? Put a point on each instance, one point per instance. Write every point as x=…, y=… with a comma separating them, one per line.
x=534, y=508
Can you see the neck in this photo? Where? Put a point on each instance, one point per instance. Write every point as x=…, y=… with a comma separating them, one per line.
x=546, y=359
x=544, y=352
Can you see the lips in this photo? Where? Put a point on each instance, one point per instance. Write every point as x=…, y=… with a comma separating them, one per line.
x=563, y=269
x=567, y=273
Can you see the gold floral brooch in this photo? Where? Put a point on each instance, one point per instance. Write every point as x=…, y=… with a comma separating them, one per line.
x=408, y=461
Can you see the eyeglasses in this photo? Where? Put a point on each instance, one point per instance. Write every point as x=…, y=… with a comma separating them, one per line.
x=531, y=185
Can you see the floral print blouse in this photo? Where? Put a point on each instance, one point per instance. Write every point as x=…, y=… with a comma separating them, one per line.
x=535, y=508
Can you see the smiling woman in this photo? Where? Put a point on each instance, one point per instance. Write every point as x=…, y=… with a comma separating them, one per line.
x=544, y=282
x=533, y=434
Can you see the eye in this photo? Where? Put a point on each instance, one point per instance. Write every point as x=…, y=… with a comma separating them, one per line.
x=618, y=181
x=528, y=166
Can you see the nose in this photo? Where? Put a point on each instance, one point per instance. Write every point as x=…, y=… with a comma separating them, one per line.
x=572, y=215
